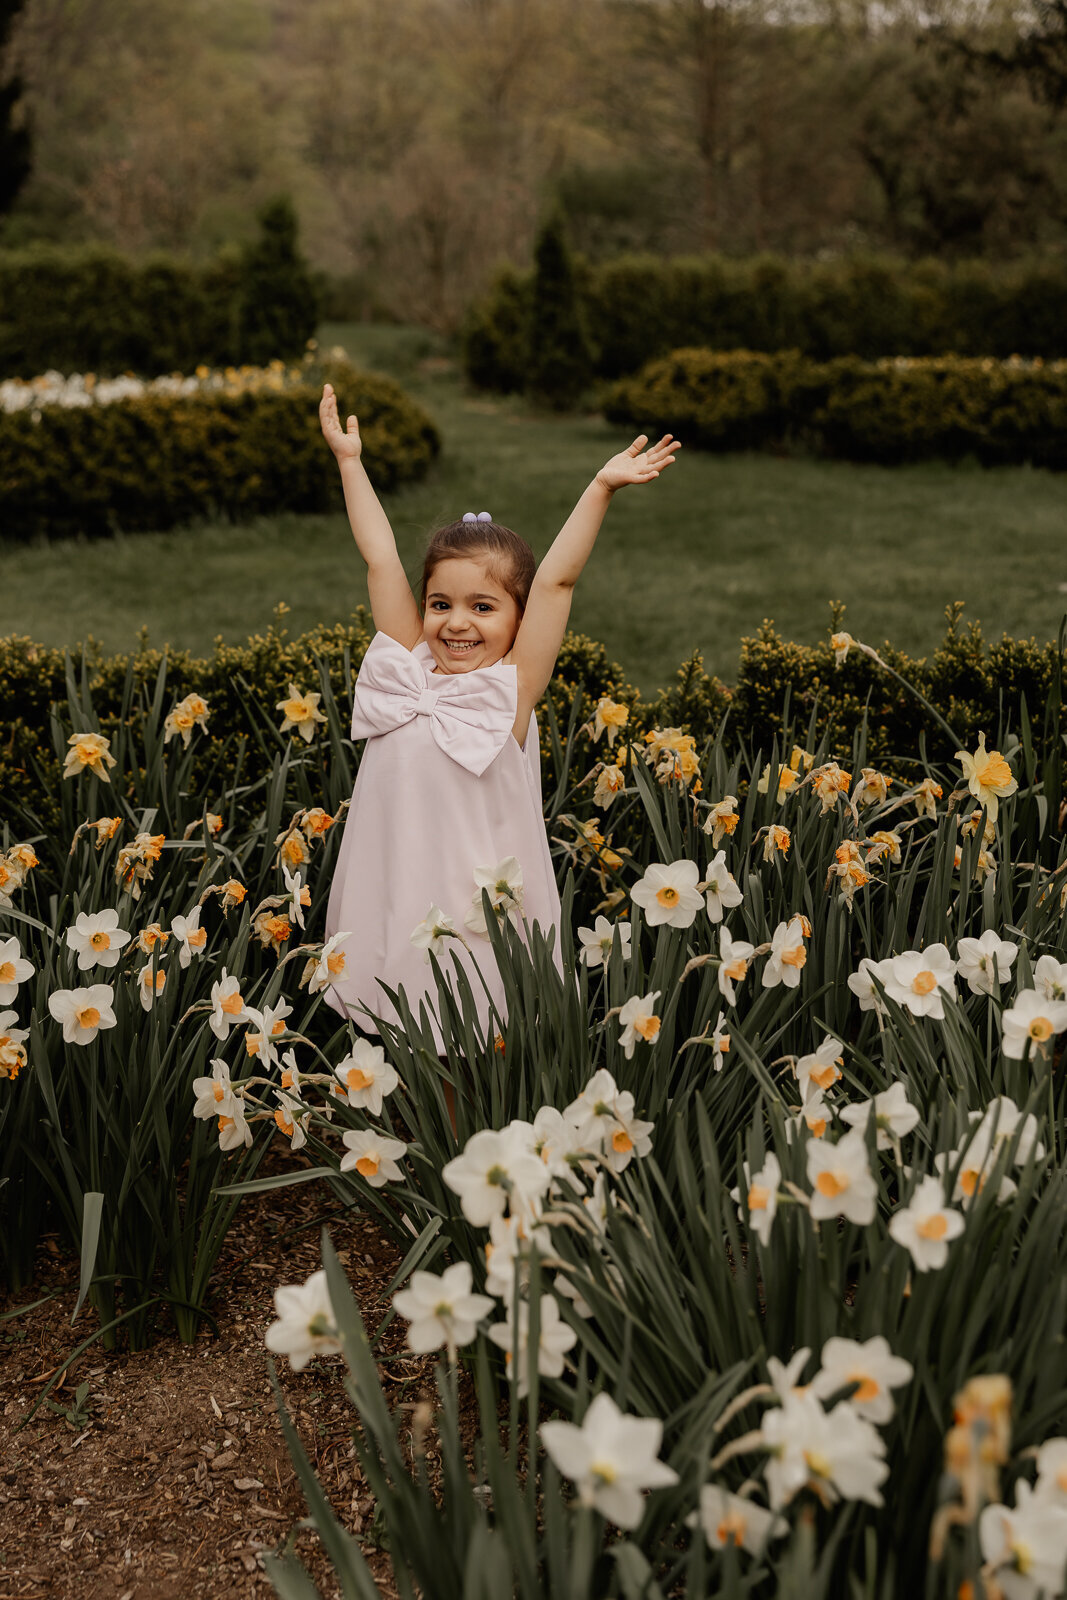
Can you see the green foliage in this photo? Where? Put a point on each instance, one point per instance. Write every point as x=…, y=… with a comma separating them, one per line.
x=278, y=308
x=156, y=461
x=889, y=411
x=91, y=309
x=639, y=307
x=558, y=367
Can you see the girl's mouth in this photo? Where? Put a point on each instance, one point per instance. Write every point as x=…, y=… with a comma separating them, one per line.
x=460, y=647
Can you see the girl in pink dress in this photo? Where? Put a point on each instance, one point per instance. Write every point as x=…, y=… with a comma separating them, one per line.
x=448, y=794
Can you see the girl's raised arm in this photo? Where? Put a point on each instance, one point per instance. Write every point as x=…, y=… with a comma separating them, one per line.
x=544, y=621
x=392, y=603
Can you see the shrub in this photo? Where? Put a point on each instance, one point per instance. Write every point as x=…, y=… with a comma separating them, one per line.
x=92, y=309
x=889, y=411
x=638, y=307
x=559, y=363
x=158, y=460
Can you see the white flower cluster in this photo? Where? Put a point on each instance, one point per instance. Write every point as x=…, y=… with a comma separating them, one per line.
x=78, y=390
x=1025, y=1547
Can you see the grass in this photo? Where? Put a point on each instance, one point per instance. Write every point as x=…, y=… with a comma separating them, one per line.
x=695, y=560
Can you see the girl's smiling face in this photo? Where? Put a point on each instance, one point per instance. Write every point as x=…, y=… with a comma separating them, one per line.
x=471, y=620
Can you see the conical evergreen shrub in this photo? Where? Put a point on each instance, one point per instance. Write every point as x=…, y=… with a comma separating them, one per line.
x=560, y=361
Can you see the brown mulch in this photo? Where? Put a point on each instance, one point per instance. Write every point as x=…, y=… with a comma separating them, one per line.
x=178, y=1477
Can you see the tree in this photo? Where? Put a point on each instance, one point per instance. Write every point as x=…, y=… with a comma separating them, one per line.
x=15, y=137
x=278, y=308
x=560, y=361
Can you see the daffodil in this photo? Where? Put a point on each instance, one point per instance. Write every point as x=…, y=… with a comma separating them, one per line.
x=668, y=894
x=496, y=1168
x=720, y=1042
x=841, y=643
x=985, y=961
x=720, y=887
x=610, y=718
x=328, y=966
x=722, y=818
x=83, y=1012
x=778, y=838
x=373, y=1156
x=926, y=1225
x=191, y=937
x=787, y=781
x=512, y=1336
x=921, y=979
x=988, y=776
x=637, y=1018
x=611, y=1457
x=433, y=932
x=150, y=987
x=301, y=711
x=1050, y=978
x=734, y=957
x=925, y=795
x=611, y=780
x=227, y=1007
x=729, y=1519
x=215, y=1096
x=871, y=1365
x=14, y=969
x=872, y=788
x=267, y=1026
x=12, y=1046
x=1032, y=1019
x=839, y=1452
x=894, y=1115
x=829, y=782
x=316, y=823
x=598, y=941
x=862, y=984
x=822, y=1067
x=504, y=885
x=87, y=753
x=299, y=896
x=841, y=1179
x=1025, y=1549
x=787, y=956
x=306, y=1325
x=441, y=1310
x=366, y=1076
x=760, y=1204
x=291, y=1118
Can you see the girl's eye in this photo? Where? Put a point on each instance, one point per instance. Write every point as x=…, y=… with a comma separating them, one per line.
x=483, y=605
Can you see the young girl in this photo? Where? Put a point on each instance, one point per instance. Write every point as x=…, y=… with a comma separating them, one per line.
x=448, y=793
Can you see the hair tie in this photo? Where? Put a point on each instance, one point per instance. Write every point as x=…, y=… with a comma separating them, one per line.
x=482, y=516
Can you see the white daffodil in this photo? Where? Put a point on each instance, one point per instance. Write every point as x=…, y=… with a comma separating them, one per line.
x=329, y=966
x=504, y=884
x=233, y=1128
x=148, y=987
x=190, y=935
x=925, y=1225
x=920, y=980
x=267, y=1026
x=1027, y=1547
x=985, y=961
x=557, y=1143
x=433, y=933
x=1050, y=978
x=840, y=1175
x=97, y=939
x=734, y=957
x=291, y=1118
x=214, y=1095
x=83, y=1012
x=721, y=891
x=894, y=1115
x=441, y=1310
x=720, y=1042
x=821, y=1069
x=787, y=956
x=306, y=1325
x=815, y=1114
x=14, y=969
x=366, y=1076
x=760, y=1204
x=637, y=1018
x=872, y=1365
x=726, y=1519
x=988, y=777
x=508, y=1249
x=1001, y=1122
x=593, y=1112
x=373, y=1155
x=556, y=1338
x=611, y=1457
x=291, y=1074
x=785, y=1375
x=227, y=1006
x=598, y=941
x=862, y=985
x=669, y=894
x=840, y=1452
x=973, y=1160
x=1032, y=1019
x=628, y=1137
x=496, y=1168
x=1052, y=1471
x=299, y=895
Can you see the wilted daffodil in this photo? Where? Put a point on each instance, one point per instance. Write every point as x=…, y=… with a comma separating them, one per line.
x=988, y=776
x=89, y=752
x=301, y=712
x=721, y=818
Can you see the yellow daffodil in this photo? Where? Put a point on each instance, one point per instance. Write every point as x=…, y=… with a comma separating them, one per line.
x=988, y=776
x=610, y=718
x=316, y=822
x=89, y=751
x=828, y=782
x=301, y=712
x=925, y=795
x=841, y=644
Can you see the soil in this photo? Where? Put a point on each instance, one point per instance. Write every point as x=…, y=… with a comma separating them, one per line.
x=174, y=1478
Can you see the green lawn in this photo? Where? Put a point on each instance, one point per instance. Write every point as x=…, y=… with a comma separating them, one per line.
x=694, y=560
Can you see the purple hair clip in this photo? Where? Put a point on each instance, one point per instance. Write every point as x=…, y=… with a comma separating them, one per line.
x=483, y=516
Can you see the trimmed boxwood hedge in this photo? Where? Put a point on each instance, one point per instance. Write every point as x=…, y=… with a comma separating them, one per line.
x=159, y=460
x=1014, y=683
x=1002, y=412
x=638, y=307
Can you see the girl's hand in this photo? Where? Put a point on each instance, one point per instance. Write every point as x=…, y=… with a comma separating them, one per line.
x=346, y=445
x=638, y=464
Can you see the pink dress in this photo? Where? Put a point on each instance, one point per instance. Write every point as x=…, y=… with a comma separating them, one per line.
x=442, y=788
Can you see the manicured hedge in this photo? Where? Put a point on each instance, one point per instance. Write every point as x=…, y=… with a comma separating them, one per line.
x=639, y=307
x=157, y=461
x=1014, y=682
x=891, y=411
x=92, y=309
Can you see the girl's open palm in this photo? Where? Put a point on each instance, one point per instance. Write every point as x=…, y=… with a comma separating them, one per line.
x=346, y=445
x=638, y=464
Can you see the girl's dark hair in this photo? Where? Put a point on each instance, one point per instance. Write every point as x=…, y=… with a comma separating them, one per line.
x=508, y=557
